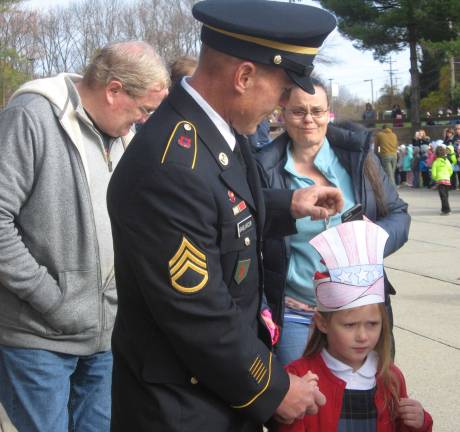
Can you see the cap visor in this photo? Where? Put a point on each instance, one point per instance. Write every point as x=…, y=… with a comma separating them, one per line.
x=303, y=82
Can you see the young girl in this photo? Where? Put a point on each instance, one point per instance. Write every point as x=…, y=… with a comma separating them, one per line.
x=441, y=171
x=349, y=350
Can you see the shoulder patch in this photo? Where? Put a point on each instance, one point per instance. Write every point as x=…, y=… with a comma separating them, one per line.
x=188, y=269
x=182, y=145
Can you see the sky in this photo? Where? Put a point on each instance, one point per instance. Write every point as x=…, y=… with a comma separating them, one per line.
x=349, y=71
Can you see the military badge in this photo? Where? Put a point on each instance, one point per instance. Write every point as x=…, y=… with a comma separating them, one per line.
x=242, y=270
x=182, y=145
x=239, y=208
x=188, y=269
x=184, y=141
x=231, y=196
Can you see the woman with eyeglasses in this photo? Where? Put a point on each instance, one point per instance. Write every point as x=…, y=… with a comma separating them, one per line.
x=313, y=151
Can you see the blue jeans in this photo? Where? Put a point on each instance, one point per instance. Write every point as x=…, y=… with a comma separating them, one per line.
x=293, y=341
x=45, y=391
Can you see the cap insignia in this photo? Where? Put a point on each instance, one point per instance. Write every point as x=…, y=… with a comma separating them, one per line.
x=277, y=59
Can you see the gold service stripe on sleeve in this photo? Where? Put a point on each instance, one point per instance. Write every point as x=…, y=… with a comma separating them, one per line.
x=251, y=401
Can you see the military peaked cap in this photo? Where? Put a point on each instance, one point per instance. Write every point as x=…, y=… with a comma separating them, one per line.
x=285, y=35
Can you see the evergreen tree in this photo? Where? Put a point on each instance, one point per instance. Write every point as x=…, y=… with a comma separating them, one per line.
x=392, y=25
x=6, y=4
x=430, y=69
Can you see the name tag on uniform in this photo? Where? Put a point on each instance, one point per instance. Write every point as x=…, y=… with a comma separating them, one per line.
x=245, y=225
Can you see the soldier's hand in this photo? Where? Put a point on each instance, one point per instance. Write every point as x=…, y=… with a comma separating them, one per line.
x=302, y=398
x=318, y=202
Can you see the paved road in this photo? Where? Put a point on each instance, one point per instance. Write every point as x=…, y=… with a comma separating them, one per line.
x=426, y=274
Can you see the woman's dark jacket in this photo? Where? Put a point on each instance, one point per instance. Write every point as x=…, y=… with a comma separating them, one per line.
x=351, y=144
x=420, y=141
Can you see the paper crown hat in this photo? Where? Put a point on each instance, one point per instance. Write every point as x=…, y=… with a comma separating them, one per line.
x=280, y=34
x=353, y=255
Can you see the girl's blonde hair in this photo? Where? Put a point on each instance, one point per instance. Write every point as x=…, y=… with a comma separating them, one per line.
x=318, y=341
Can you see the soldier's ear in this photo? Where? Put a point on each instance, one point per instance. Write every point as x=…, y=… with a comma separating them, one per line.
x=244, y=77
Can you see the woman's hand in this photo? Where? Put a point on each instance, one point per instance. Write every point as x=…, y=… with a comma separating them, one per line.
x=318, y=202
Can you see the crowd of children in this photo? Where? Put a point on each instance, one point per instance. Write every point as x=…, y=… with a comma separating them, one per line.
x=431, y=164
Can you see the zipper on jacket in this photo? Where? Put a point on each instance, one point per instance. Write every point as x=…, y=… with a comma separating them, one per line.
x=98, y=258
x=107, y=147
x=108, y=159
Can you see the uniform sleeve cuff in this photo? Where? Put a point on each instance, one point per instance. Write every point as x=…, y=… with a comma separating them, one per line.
x=266, y=404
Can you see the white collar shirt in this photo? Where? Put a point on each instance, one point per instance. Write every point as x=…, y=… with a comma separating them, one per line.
x=362, y=379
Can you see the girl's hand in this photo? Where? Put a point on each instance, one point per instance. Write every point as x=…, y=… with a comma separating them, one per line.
x=411, y=412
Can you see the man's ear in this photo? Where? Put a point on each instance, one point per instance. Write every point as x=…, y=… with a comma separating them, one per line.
x=321, y=322
x=244, y=76
x=112, y=91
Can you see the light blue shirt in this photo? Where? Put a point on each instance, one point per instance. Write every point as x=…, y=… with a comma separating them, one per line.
x=304, y=261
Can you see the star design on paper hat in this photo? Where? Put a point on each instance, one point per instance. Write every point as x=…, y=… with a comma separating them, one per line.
x=345, y=277
x=363, y=276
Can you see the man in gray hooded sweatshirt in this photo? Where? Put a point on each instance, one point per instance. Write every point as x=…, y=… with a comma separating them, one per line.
x=61, y=139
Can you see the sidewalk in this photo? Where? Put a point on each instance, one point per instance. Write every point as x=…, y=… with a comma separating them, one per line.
x=426, y=275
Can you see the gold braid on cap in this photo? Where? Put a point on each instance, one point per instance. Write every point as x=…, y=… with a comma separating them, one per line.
x=295, y=49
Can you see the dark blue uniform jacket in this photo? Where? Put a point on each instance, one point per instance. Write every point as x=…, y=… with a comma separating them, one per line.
x=190, y=350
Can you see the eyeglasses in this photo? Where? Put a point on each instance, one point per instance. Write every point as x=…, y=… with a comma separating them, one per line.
x=300, y=114
x=145, y=111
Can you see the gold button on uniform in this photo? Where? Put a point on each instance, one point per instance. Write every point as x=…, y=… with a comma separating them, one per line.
x=247, y=241
x=193, y=380
x=223, y=159
x=187, y=127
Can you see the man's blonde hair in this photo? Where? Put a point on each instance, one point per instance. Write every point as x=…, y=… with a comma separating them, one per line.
x=135, y=64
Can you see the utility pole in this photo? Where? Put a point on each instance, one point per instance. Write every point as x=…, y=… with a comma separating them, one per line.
x=452, y=71
x=372, y=90
x=392, y=72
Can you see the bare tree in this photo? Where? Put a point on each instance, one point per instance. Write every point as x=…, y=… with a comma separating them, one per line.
x=55, y=42
x=16, y=48
x=64, y=38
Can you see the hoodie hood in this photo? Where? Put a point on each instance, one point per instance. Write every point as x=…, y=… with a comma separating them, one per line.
x=55, y=89
x=66, y=102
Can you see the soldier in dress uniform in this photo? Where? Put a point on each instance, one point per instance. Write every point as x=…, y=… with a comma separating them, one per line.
x=191, y=352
